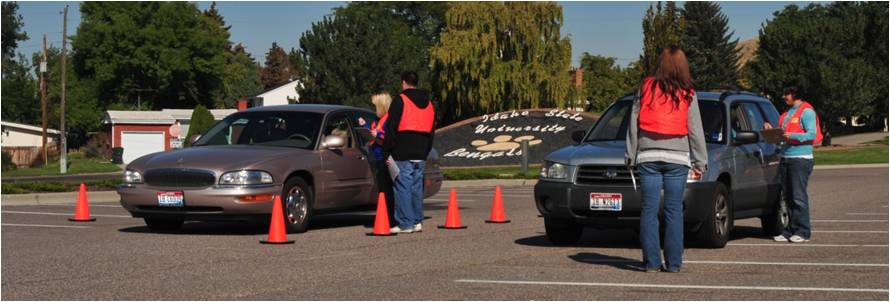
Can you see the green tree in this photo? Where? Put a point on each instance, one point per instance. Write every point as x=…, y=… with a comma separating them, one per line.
x=170, y=47
x=709, y=46
x=296, y=63
x=277, y=70
x=12, y=32
x=604, y=81
x=836, y=54
x=494, y=56
x=200, y=122
x=242, y=77
x=20, y=100
x=661, y=28
x=361, y=49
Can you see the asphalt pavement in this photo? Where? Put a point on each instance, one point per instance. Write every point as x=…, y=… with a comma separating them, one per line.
x=45, y=257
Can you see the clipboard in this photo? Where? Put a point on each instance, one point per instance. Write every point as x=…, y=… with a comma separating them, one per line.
x=364, y=133
x=773, y=136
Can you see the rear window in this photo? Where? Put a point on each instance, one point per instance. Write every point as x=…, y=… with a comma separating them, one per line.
x=612, y=125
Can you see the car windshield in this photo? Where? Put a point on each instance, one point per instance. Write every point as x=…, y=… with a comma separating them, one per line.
x=282, y=129
x=612, y=125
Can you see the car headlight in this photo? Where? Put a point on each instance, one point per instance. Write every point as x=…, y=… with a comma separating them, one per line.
x=132, y=177
x=553, y=171
x=245, y=177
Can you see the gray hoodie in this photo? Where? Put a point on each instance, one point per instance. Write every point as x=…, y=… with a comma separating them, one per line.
x=643, y=146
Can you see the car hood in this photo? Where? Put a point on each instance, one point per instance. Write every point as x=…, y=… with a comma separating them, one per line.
x=218, y=158
x=606, y=153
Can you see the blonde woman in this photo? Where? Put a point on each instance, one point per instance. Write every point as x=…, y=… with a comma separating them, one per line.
x=381, y=103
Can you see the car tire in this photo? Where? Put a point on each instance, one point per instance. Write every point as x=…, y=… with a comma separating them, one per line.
x=714, y=232
x=774, y=223
x=297, y=201
x=562, y=231
x=164, y=224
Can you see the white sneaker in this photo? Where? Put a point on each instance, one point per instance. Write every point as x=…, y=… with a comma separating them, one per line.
x=397, y=229
x=780, y=238
x=798, y=239
x=418, y=227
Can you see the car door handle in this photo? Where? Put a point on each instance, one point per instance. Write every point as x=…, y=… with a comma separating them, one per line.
x=362, y=157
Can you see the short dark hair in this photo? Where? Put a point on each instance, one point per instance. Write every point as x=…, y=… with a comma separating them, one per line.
x=409, y=77
x=792, y=90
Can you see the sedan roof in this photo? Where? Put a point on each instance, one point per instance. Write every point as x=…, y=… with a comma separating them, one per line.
x=316, y=108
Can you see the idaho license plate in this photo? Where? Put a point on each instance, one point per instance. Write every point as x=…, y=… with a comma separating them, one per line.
x=605, y=201
x=170, y=199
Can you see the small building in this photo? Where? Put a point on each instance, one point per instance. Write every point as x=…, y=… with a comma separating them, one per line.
x=281, y=95
x=143, y=132
x=21, y=135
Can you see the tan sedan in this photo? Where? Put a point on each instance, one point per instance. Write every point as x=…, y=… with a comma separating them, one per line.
x=314, y=156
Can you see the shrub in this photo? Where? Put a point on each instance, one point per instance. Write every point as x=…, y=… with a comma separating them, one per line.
x=201, y=120
x=7, y=164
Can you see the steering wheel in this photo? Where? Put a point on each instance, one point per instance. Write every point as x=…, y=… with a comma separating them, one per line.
x=300, y=136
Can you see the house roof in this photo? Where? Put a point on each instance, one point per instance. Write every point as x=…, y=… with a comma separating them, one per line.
x=6, y=124
x=291, y=85
x=165, y=116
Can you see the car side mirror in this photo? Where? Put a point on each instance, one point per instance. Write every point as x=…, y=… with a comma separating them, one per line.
x=333, y=142
x=745, y=137
x=194, y=139
x=578, y=136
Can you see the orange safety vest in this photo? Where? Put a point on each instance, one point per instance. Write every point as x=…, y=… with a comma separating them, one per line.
x=378, y=125
x=416, y=119
x=794, y=126
x=658, y=114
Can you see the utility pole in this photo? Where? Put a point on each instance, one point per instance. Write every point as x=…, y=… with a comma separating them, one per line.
x=139, y=95
x=43, y=66
x=63, y=167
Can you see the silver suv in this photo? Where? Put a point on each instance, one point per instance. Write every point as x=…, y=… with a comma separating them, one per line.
x=588, y=185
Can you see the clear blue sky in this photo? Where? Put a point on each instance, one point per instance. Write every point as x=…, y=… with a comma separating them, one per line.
x=604, y=28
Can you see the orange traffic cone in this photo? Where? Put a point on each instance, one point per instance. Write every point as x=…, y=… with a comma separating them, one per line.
x=497, y=208
x=452, y=217
x=82, y=210
x=277, y=232
x=381, y=220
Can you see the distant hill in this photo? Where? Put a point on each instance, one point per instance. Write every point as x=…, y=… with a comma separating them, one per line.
x=746, y=49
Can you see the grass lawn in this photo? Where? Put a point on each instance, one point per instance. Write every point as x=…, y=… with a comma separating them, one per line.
x=75, y=166
x=55, y=186
x=878, y=142
x=868, y=155
x=490, y=173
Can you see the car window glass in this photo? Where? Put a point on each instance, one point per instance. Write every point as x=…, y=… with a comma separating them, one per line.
x=282, y=129
x=612, y=124
x=753, y=116
x=772, y=115
x=338, y=125
x=737, y=118
x=713, y=120
x=361, y=117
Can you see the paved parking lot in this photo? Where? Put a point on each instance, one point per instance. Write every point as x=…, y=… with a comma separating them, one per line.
x=45, y=257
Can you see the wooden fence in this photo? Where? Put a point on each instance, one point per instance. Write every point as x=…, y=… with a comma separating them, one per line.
x=29, y=156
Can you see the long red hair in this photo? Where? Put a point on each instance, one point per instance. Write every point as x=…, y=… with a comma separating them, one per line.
x=672, y=76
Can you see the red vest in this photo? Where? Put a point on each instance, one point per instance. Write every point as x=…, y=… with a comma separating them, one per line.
x=378, y=125
x=416, y=119
x=658, y=114
x=793, y=125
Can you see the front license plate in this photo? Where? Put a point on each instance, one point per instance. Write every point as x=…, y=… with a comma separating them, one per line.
x=170, y=199
x=605, y=201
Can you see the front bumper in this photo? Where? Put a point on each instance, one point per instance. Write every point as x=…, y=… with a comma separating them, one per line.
x=209, y=203
x=565, y=200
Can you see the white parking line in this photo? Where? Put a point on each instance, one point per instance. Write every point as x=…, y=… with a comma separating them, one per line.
x=868, y=214
x=750, y=263
x=806, y=245
x=71, y=205
x=64, y=214
x=677, y=286
x=46, y=225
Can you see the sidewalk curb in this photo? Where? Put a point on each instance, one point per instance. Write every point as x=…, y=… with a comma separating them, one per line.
x=111, y=196
x=57, y=198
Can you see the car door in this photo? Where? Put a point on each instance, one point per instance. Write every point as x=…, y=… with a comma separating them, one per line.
x=762, y=154
x=747, y=170
x=348, y=173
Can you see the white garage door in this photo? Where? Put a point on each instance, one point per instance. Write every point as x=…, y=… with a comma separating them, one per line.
x=137, y=144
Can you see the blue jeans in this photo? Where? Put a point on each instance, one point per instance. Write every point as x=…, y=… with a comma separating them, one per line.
x=409, y=193
x=655, y=176
x=795, y=174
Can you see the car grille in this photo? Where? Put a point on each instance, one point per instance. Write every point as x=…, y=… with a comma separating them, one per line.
x=604, y=175
x=179, y=177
